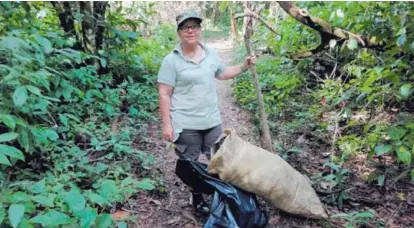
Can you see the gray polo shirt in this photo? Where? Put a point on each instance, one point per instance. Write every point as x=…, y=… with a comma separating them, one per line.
x=194, y=101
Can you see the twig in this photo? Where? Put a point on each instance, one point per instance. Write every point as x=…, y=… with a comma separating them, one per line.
x=114, y=126
x=150, y=214
x=316, y=75
x=333, y=71
x=393, y=214
x=171, y=199
x=330, y=56
x=257, y=17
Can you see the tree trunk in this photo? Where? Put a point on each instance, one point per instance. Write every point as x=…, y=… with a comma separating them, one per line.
x=88, y=32
x=88, y=27
x=99, y=9
x=267, y=142
x=233, y=24
x=66, y=20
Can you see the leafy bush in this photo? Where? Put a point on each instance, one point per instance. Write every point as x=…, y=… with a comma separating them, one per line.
x=60, y=161
x=343, y=87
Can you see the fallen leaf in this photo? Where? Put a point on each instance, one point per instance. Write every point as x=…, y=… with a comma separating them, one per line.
x=189, y=225
x=190, y=216
x=120, y=215
x=157, y=202
x=323, y=101
x=172, y=221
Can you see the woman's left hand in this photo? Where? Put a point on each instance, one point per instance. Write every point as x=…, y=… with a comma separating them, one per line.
x=250, y=61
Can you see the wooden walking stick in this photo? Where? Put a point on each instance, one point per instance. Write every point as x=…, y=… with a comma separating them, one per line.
x=267, y=143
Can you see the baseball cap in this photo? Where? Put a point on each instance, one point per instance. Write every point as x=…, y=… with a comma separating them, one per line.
x=187, y=15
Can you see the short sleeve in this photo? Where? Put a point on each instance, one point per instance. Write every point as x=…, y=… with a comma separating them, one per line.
x=166, y=73
x=221, y=66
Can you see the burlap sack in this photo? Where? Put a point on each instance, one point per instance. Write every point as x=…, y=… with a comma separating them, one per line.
x=267, y=175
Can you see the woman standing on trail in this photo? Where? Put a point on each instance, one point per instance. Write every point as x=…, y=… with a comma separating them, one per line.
x=187, y=94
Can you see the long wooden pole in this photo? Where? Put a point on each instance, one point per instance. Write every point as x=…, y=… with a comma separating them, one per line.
x=267, y=142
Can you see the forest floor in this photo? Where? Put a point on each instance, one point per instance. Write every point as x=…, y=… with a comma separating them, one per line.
x=173, y=209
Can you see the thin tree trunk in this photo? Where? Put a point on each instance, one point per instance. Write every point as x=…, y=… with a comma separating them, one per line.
x=88, y=31
x=267, y=142
x=99, y=14
x=88, y=27
x=233, y=24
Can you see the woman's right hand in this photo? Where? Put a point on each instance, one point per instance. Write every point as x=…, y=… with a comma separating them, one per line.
x=168, y=133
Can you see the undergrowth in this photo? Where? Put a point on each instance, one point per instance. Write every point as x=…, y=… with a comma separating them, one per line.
x=345, y=101
x=65, y=159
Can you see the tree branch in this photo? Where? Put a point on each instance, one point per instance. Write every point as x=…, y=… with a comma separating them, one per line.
x=327, y=31
x=257, y=17
x=267, y=140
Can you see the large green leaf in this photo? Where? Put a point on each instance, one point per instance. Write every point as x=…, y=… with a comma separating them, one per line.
x=39, y=187
x=104, y=221
x=67, y=92
x=20, y=96
x=9, y=121
x=95, y=198
x=19, y=197
x=412, y=176
x=404, y=155
x=24, y=140
x=121, y=224
x=401, y=40
x=108, y=187
x=88, y=217
x=2, y=213
x=405, y=91
x=47, y=201
x=11, y=152
x=4, y=160
x=52, y=218
x=45, y=43
x=76, y=201
x=145, y=184
x=64, y=119
x=24, y=223
x=382, y=149
x=51, y=134
x=16, y=212
x=396, y=132
x=8, y=137
x=13, y=43
x=352, y=44
x=381, y=180
x=34, y=90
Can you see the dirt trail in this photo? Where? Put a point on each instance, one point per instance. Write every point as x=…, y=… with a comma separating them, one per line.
x=173, y=208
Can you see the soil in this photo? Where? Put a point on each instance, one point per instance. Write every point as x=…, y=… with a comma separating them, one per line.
x=172, y=208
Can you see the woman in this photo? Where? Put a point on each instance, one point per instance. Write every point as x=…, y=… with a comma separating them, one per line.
x=187, y=94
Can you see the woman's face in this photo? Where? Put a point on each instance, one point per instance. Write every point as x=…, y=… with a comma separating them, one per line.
x=189, y=32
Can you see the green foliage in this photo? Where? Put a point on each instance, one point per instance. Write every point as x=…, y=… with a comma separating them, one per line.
x=285, y=152
x=370, y=80
x=278, y=81
x=66, y=165
x=353, y=101
x=357, y=219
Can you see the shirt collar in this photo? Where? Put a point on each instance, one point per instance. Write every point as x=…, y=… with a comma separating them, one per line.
x=179, y=50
